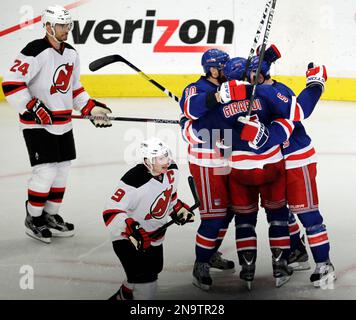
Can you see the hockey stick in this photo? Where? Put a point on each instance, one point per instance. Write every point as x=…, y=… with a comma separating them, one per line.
x=196, y=204
x=104, y=61
x=257, y=37
x=261, y=56
x=167, y=121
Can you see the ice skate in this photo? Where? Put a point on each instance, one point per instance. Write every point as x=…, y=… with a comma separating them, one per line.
x=123, y=293
x=218, y=262
x=298, y=259
x=36, y=228
x=323, y=275
x=247, y=272
x=58, y=227
x=281, y=271
x=201, y=276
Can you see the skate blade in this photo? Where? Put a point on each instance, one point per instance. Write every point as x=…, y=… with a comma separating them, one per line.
x=281, y=281
x=204, y=287
x=325, y=281
x=300, y=266
x=62, y=234
x=32, y=235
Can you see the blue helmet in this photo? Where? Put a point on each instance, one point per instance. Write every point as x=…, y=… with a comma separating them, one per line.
x=264, y=67
x=214, y=58
x=235, y=68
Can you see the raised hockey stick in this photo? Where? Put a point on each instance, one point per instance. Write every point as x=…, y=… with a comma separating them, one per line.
x=166, y=121
x=257, y=36
x=196, y=204
x=104, y=61
x=261, y=56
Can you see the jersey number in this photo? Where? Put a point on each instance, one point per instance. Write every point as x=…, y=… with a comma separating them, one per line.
x=23, y=68
x=118, y=195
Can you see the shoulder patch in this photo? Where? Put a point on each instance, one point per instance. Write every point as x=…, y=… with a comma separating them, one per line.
x=34, y=48
x=137, y=176
x=68, y=46
x=173, y=165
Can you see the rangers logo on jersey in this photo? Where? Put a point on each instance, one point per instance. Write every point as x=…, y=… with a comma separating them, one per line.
x=160, y=205
x=61, y=79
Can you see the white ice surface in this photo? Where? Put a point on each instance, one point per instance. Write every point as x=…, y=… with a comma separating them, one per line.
x=85, y=266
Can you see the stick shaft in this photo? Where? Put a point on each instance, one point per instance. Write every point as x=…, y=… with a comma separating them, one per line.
x=166, y=121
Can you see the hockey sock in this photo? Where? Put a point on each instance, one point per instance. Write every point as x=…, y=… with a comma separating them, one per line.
x=206, y=239
x=229, y=216
x=245, y=234
x=57, y=189
x=278, y=230
x=317, y=235
x=39, y=185
x=294, y=232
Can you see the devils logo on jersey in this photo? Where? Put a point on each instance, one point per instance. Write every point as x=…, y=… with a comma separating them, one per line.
x=160, y=205
x=61, y=79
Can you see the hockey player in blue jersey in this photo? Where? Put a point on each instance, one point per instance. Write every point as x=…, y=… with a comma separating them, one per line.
x=302, y=195
x=210, y=171
x=203, y=134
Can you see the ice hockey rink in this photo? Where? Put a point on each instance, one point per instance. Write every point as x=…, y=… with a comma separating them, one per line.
x=85, y=266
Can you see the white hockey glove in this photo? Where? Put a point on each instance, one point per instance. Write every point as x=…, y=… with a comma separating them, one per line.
x=254, y=132
x=316, y=75
x=232, y=90
x=181, y=214
x=100, y=110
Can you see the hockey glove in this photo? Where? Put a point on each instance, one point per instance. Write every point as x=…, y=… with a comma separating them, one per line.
x=232, y=90
x=40, y=111
x=181, y=214
x=254, y=132
x=100, y=110
x=137, y=235
x=271, y=54
x=316, y=75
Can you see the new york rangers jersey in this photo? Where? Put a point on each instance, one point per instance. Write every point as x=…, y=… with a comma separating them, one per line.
x=50, y=75
x=271, y=107
x=298, y=150
x=147, y=199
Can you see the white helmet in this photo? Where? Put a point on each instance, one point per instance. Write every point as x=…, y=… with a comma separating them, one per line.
x=56, y=14
x=153, y=148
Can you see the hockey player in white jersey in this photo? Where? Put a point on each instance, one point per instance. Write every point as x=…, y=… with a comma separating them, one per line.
x=143, y=201
x=43, y=85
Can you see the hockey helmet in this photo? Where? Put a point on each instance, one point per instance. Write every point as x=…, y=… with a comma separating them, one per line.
x=153, y=150
x=56, y=15
x=265, y=67
x=214, y=58
x=235, y=68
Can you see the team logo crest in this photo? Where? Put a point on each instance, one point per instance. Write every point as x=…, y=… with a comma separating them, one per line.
x=61, y=79
x=159, y=206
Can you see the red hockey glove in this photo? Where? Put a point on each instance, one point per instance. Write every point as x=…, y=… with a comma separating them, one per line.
x=181, y=214
x=316, y=75
x=96, y=108
x=254, y=132
x=40, y=111
x=141, y=239
x=232, y=90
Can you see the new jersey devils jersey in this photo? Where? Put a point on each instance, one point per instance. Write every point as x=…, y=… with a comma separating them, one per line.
x=50, y=75
x=147, y=199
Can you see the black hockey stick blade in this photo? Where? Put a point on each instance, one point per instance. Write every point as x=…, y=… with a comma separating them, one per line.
x=104, y=61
